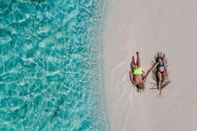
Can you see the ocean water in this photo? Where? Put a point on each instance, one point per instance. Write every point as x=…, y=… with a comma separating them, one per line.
x=50, y=71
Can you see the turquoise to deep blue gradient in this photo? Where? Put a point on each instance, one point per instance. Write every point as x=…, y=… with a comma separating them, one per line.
x=50, y=77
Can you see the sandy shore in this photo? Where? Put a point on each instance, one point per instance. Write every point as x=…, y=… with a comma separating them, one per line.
x=151, y=26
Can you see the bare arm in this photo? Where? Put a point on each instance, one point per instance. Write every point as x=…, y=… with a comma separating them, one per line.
x=149, y=70
x=131, y=65
x=131, y=78
x=165, y=64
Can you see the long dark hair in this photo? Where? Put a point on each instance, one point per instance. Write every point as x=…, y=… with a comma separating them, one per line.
x=157, y=57
x=140, y=87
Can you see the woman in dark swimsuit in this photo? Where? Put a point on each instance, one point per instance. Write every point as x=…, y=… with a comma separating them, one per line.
x=161, y=73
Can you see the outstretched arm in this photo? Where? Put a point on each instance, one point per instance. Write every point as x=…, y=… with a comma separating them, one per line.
x=149, y=70
x=133, y=63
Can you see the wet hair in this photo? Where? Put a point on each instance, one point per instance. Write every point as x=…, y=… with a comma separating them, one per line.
x=140, y=86
x=159, y=56
x=157, y=59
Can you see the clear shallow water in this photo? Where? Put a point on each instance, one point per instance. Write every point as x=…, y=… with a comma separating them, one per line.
x=49, y=72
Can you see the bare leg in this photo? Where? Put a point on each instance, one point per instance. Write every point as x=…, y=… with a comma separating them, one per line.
x=138, y=59
x=165, y=84
x=133, y=60
x=162, y=78
x=165, y=77
x=159, y=80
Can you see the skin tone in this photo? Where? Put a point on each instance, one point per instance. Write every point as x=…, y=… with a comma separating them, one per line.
x=139, y=79
x=162, y=77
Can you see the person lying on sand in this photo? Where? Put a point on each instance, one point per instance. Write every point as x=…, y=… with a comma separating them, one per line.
x=136, y=74
x=160, y=72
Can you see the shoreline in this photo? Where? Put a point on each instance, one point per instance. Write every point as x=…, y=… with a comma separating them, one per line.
x=100, y=113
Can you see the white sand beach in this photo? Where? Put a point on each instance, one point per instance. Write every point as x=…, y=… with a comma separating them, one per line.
x=149, y=26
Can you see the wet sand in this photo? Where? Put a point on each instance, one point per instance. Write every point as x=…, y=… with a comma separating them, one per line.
x=148, y=27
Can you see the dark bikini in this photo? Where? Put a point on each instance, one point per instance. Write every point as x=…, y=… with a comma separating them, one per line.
x=161, y=68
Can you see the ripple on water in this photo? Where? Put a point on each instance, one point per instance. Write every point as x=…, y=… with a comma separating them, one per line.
x=47, y=65
x=5, y=37
x=4, y=6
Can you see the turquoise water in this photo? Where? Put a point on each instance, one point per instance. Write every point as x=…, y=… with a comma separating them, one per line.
x=50, y=76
